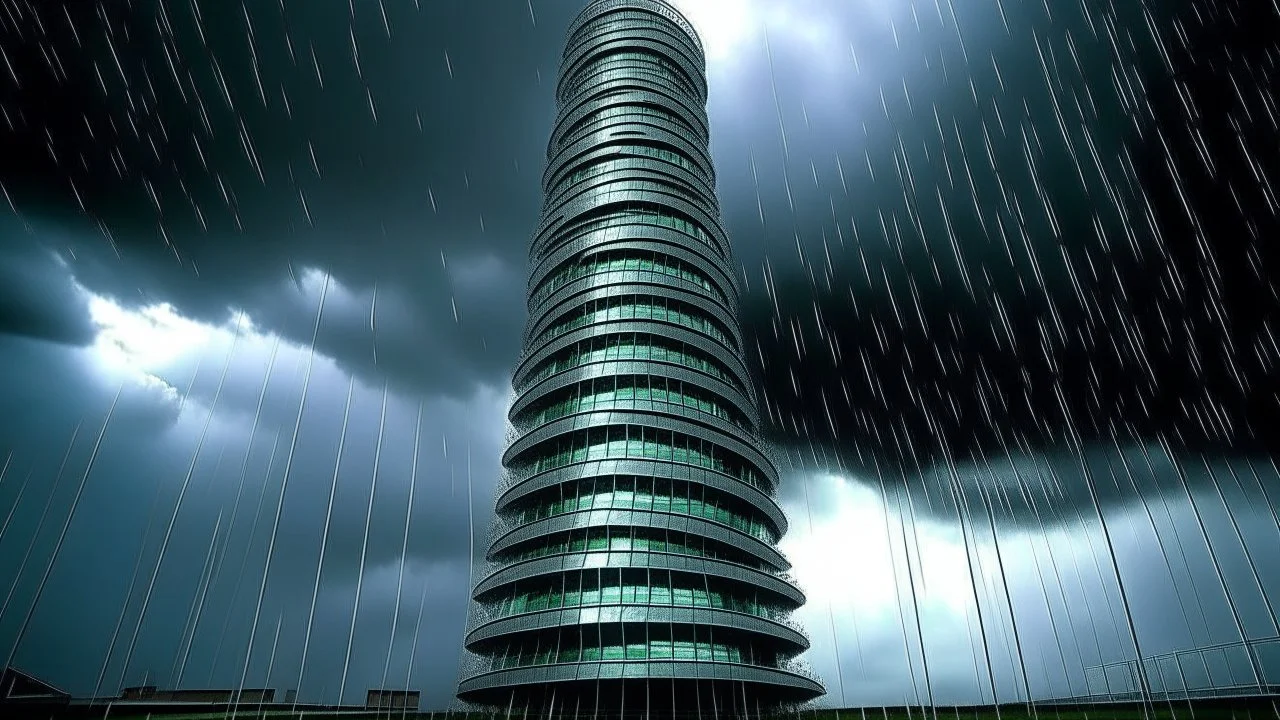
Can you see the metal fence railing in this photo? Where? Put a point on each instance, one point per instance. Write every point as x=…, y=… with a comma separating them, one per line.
x=1230, y=669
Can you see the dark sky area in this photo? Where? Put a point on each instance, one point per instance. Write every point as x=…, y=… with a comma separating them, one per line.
x=1008, y=267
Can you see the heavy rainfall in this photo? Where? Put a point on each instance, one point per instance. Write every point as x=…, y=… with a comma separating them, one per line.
x=1006, y=271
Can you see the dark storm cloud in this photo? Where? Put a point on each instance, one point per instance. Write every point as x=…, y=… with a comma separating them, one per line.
x=1049, y=491
x=1189, y=569
x=919, y=304
x=227, y=149
x=918, y=300
x=218, y=540
x=419, y=231
x=37, y=296
x=52, y=390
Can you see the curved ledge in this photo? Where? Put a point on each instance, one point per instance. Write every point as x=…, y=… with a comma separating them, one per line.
x=792, y=684
x=556, y=177
x=655, y=279
x=610, y=368
x=661, y=410
x=657, y=328
x=643, y=234
x=571, y=113
x=648, y=468
x=723, y=437
x=630, y=172
x=639, y=236
x=545, y=317
x=674, y=333
x=783, y=590
x=654, y=519
x=655, y=168
x=664, y=614
x=585, y=41
x=655, y=40
x=668, y=241
x=599, y=141
x=656, y=7
x=569, y=211
x=645, y=283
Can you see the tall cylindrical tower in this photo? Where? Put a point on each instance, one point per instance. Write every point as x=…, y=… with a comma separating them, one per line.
x=633, y=563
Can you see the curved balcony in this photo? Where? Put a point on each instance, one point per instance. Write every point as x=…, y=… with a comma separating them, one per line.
x=669, y=332
x=602, y=40
x=633, y=50
x=638, y=467
x=640, y=163
x=609, y=174
x=586, y=105
x=598, y=201
x=692, y=300
x=569, y=378
x=602, y=144
x=657, y=279
x=726, y=437
x=650, y=519
x=646, y=238
x=794, y=686
x=781, y=588
x=643, y=231
x=664, y=614
x=661, y=9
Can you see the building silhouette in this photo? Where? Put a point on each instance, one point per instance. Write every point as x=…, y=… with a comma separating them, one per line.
x=633, y=566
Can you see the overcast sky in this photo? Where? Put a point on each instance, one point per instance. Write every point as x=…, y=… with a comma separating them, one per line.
x=1009, y=296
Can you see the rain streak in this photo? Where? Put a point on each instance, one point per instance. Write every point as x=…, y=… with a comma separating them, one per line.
x=1006, y=278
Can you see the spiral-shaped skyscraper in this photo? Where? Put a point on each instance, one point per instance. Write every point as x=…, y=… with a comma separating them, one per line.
x=633, y=563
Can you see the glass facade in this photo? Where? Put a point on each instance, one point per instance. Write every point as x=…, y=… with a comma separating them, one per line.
x=627, y=261
x=642, y=347
x=633, y=567
x=630, y=392
x=610, y=223
x=611, y=492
